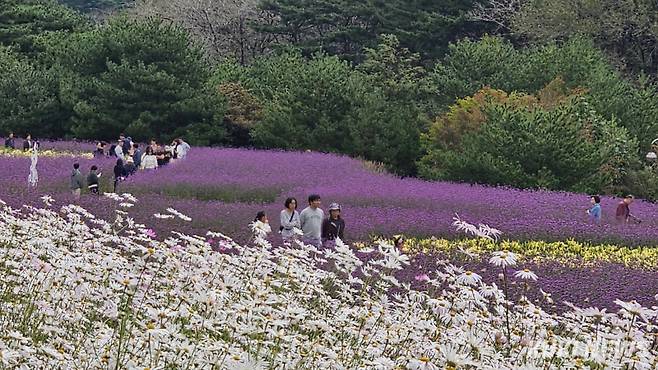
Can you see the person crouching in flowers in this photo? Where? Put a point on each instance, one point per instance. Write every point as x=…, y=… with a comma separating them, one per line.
x=289, y=220
x=595, y=212
x=334, y=226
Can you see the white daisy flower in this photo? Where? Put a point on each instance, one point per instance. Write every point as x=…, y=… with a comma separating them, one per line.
x=526, y=274
x=469, y=278
x=503, y=259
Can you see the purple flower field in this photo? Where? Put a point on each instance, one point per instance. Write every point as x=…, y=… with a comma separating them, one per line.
x=587, y=285
x=222, y=189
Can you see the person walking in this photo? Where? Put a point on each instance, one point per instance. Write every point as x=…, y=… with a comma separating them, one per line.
x=595, y=212
x=77, y=181
x=334, y=226
x=10, y=142
x=119, y=173
x=289, y=220
x=623, y=214
x=27, y=144
x=311, y=221
x=92, y=180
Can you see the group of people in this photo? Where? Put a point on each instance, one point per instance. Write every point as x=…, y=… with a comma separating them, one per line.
x=78, y=181
x=153, y=156
x=28, y=143
x=129, y=159
x=316, y=229
x=622, y=214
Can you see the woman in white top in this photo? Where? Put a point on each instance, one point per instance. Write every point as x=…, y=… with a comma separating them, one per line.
x=289, y=220
x=149, y=160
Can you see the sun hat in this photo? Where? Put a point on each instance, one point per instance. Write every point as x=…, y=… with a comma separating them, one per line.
x=334, y=207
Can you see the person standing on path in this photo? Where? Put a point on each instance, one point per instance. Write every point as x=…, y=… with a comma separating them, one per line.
x=311, y=221
x=77, y=181
x=334, y=226
x=289, y=220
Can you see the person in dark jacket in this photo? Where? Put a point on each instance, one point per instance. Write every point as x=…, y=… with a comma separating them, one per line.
x=92, y=180
x=119, y=173
x=112, y=152
x=100, y=149
x=27, y=144
x=334, y=226
x=137, y=156
x=127, y=144
x=10, y=142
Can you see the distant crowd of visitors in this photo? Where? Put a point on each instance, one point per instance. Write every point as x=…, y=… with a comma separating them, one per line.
x=315, y=228
x=130, y=159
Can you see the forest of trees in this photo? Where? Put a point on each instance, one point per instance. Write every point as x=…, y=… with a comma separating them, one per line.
x=528, y=93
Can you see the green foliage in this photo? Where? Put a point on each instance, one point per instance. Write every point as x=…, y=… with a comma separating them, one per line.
x=23, y=21
x=642, y=183
x=493, y=62
x=472, y=65
x=345, y=27
x=324, y=104
x=308, y=103
x=627, y=29
x=95, y=5
x=28, y=98
x=244, y=111
x=515, y=141
x=143, y=78
x=399, y=73
x=386, y=131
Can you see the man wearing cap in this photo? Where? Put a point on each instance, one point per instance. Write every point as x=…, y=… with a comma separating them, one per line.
x=311, y=221
x=334, y=226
